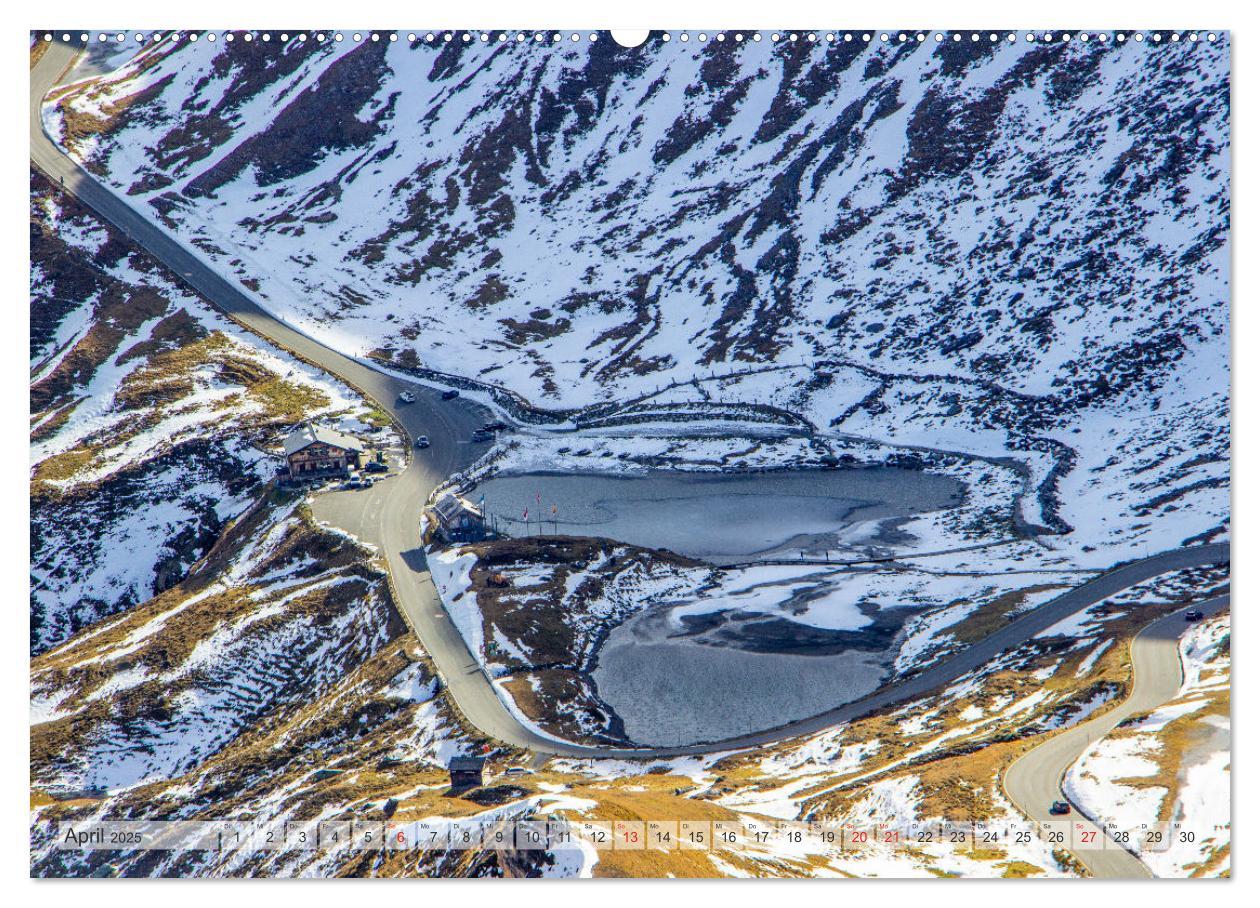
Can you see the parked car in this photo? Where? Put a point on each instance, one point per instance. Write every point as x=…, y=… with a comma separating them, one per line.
x=495, y=426
x=1194, y=615
x=367, y=482
x=518, y=771
x=375, y=466
x=450, y=394
x=422, y=441
x=407, y=397
x=1060, y=808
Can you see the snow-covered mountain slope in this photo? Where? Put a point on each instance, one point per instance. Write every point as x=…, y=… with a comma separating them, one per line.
x=1005, y=249
x=198, y=645
x=280, y=656
x=602, y=218
x=276, y=613
x=150, y=418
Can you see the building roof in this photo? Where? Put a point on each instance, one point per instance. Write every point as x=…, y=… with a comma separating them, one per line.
x=307, y=434
x=451, y=506
x=467, y=764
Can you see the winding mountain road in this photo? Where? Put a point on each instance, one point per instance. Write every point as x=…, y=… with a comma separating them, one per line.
x=387, y=515
x=1036, y=779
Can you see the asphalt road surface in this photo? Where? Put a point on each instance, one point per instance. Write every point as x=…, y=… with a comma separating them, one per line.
x=1036, y=779
x=388, y=514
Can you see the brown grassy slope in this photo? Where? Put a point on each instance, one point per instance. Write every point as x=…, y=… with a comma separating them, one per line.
x=38, y=48
x=143, y=654
x=563, y=704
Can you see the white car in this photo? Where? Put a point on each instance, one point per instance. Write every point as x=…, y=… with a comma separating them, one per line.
x=407, y=397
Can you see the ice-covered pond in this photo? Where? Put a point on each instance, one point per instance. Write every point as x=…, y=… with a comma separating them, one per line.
x=676, y=689
x=718, y=516
x=679, y=678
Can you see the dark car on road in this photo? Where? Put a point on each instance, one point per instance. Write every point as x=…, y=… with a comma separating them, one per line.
x=450, y=394
x=422, y=441
x=1194, y=615
x=1060, y=808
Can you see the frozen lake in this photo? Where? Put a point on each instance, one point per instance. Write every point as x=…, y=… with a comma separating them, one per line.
x=717, y=516
x=672, y=689
x=677, y=679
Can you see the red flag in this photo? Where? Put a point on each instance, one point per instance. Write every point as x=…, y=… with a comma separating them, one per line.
x=525, y=516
